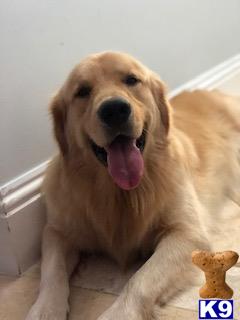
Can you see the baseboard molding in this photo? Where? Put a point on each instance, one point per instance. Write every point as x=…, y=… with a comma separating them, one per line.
x=20, y=191
x=22, y=217
x=22, y=195
x=212, y=78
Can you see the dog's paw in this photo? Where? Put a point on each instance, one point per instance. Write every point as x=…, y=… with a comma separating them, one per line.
x=47, y=311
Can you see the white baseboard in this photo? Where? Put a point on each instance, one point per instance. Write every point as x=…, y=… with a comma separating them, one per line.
x=22, y=190
x=22, y=217
x=22, y=214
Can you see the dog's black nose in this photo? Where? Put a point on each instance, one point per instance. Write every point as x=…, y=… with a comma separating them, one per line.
x=114, y=112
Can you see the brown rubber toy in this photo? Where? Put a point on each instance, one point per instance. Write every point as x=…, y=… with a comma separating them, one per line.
x=215, y=265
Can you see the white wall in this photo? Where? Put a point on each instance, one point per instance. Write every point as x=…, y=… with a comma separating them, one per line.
x=42, y=40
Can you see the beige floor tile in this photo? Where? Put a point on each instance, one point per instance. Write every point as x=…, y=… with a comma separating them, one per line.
x=88, y=304
x=101, y=274
x=5, y=281
x=100, y=302
x=17, y=297
x=33, y=272
x=173, y=313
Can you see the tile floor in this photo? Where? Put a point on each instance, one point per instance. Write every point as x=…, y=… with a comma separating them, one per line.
x=93, y=290
x=18, y=294
x=97, y=284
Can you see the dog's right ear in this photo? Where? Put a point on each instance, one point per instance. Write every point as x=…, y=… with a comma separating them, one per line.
x=59, y=114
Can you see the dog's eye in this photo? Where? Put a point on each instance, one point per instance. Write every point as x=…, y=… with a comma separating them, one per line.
x=84, y=92
x=131, y=80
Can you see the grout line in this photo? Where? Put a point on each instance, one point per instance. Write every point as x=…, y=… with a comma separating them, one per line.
x=94, y=290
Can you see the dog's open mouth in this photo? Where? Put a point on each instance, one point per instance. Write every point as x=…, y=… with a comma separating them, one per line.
x=124, y=160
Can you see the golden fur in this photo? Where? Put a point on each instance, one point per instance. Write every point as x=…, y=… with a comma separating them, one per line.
x=187, y=175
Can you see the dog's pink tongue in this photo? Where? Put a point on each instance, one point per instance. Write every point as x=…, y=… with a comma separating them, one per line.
x=125, y=163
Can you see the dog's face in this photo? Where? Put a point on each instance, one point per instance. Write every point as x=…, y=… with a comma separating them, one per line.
x=109, y=104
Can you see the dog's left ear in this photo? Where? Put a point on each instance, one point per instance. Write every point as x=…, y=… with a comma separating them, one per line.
x=159, y=93
x=58, y=110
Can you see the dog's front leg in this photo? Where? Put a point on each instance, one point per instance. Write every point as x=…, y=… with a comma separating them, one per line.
x=58, y=262
x=168, y=270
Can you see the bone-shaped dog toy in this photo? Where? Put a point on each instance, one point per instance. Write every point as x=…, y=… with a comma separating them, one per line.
x=215, y=266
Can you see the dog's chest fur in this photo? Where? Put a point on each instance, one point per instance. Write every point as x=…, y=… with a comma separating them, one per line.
x=120, y=223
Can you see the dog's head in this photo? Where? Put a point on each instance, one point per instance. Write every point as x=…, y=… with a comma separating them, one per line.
x=109, y=105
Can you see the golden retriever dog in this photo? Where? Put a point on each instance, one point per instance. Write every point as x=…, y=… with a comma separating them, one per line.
x=135, y=175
